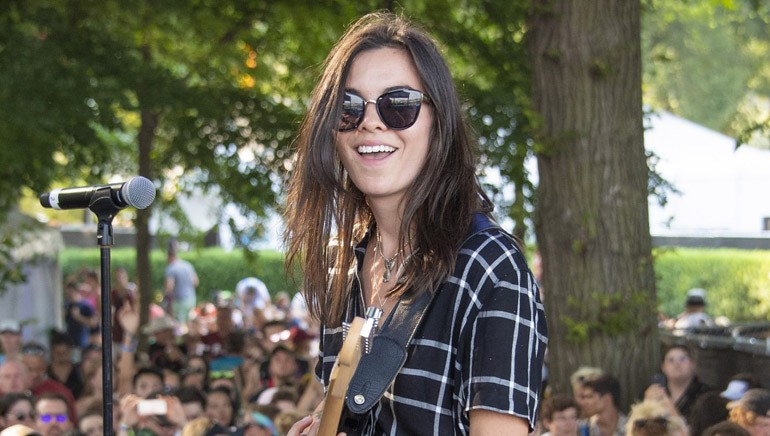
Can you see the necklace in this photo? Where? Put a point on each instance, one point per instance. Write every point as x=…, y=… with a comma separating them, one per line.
x=390, y=263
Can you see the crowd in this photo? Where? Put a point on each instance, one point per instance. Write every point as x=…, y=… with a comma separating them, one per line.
x=240, y=363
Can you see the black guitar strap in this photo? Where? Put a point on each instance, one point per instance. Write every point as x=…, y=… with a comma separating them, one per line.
x=377, y=369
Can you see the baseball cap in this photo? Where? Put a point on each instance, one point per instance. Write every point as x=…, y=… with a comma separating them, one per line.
x=696, y=297
x=10, y=325
x=735, y=390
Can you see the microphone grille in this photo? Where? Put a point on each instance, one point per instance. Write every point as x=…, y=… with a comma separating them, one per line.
x=139, y=192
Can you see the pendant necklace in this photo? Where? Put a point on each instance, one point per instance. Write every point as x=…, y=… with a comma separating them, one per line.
x=390, y=263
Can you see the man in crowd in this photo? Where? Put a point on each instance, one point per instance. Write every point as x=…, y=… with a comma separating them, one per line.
x=599, y=398
x=51, y=412
x=181, y=282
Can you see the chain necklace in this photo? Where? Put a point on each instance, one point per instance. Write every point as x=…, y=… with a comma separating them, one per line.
x=390, y=263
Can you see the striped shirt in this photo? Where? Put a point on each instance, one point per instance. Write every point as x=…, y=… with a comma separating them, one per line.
x=480, y=345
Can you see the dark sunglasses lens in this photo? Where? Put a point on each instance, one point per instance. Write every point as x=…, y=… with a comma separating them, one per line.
x=352, y=112
x=399, y=109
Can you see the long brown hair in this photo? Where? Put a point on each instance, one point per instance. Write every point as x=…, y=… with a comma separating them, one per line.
x=326, y=214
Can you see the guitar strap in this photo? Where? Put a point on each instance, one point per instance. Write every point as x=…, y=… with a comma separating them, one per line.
x=378, y=368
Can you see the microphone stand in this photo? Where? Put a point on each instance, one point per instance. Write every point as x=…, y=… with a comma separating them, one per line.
x=105, y=209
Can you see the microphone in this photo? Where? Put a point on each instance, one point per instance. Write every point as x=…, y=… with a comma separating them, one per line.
x=138, y=192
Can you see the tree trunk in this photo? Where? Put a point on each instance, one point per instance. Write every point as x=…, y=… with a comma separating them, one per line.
x=591, y=221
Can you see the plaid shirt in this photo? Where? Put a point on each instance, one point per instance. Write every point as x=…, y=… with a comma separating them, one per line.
x=480, y=345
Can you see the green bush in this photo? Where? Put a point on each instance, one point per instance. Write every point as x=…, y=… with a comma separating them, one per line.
x=216, y=268
x=737, y=282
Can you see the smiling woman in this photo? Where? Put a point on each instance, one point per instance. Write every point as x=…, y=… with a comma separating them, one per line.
x=389, y=222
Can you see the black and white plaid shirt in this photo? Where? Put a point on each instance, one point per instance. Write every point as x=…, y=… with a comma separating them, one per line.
x=480, y=345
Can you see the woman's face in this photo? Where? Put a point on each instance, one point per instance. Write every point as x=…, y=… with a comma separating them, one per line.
x=20, y=413
x=219, y=408
x=384, y=175
x=677, y=365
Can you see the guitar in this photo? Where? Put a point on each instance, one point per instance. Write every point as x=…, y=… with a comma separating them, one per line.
x=342, y=372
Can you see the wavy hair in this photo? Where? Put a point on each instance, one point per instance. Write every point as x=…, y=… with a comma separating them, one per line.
x=326, y=214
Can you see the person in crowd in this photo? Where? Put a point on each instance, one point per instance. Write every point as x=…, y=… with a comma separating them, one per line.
x=253, y=298
x=16, y=408
x=599, y=398
x=724, y=428
x=62, y=368
x=654, y=418
x=576, y=380
x=711, y=407
x=35, y=358
x=682, y=386
x=164, y=352
x=79, y=316
x=395, y=180
x=10, y=339
x=51, y=417
x=752, y=412
x=90, y=288
x=559, y=416
x=135, y=423
x=14, y=378
x=273, y=333
x=221, y=407
x=193, y=402
x=694, y=314
x=225, y=337
x=259, y=424
x=282, y=368
x=91, y=422
x=147, y=380
x=180, y=284
x=196, y=373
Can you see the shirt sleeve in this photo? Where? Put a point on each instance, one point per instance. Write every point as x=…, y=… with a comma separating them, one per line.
x=508, y=336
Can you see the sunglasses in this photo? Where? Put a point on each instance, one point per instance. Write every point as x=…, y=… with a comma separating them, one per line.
x=659, y=422
x=23, y=416
x=398, y=109
x=48, y=417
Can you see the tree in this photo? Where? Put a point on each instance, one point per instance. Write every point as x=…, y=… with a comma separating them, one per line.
x=591, y=219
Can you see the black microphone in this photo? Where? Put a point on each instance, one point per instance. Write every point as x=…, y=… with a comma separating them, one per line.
x=138, y=192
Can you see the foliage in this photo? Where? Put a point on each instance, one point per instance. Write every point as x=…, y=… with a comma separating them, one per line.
x=737, y=282
x=706, y=60
x=217, y=269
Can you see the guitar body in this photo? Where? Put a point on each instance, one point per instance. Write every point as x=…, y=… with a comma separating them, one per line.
x=342, y=373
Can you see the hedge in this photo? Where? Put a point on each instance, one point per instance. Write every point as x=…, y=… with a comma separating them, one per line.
x=217, y=269
x=737, y=282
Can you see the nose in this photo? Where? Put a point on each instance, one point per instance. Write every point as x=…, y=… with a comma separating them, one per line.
x=371, y=119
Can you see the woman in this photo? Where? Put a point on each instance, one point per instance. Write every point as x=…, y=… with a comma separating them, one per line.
x=395, y=181
x=16, y=408
x=654, y=418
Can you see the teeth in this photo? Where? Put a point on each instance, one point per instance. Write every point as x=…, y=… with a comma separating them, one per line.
x=363, y=149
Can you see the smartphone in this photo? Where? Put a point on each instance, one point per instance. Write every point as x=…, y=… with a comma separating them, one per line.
x=152, y=407
x=659, y=379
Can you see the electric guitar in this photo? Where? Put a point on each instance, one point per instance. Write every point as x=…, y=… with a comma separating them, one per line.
x=342, y=372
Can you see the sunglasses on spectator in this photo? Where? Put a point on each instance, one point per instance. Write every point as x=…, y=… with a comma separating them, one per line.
x=48, y=417
x=22, y=416
x=398, y=108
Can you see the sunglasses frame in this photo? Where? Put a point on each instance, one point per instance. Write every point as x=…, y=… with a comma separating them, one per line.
x=376, y=102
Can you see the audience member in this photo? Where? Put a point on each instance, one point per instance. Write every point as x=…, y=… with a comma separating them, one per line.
x=193, y=402
x=725, y=428
x=16, y=408
x=253, y=298
x=10, y=339
x=559, y=416
x=221, y=407
x=752, y=412
x=91, y=422
x=599, y=398
x=164, y=352
x=62, y=368
x=711, y=407
x=80, y=317
x=123, y=292
x=180, y=285
x=51, y=414
x=682, y=386
x=694, y=314
x=34, y=357
x=146, y=381
x=14, y=378
x=577, y=378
